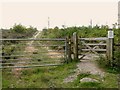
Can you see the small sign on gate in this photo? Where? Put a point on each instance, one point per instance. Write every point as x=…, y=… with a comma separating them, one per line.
x=110, y=34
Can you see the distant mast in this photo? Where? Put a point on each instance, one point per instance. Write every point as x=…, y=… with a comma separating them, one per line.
x=91, y=22
x=48, y=22
x=118, y=24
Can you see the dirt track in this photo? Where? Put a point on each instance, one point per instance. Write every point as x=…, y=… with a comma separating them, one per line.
x=86, y=65
x=28, y=48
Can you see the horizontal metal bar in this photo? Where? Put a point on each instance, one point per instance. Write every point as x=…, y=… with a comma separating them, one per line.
x=31, y=62
x=15, y=59
x=48, y=45
x=14, y=56
x=101, y=38
x=29, y=55
x=60, y=51
x=37, y=45
x=36, y=59
x=93, y=49
x=32, y=39
x=56, y=50
x=31, y=66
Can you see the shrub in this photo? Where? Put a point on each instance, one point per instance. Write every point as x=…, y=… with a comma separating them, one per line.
x=103, y=62
x=117, y=59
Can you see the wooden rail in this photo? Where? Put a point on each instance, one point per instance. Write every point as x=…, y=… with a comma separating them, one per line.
x=96, y=44
x=94, y=50
x=100, y=38
x=117, y=44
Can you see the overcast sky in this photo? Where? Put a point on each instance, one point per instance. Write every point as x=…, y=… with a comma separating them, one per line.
x=70, y=13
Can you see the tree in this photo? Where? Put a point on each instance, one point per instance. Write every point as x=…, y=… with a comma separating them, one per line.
x=19, y=29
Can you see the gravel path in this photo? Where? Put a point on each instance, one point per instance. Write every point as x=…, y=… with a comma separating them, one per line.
x=87, y=65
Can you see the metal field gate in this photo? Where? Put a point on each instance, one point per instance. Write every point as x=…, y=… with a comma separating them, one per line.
x=25, y=53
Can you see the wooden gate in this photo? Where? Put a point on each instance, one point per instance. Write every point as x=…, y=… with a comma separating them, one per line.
x=98, y=46
x=93, y=45
x=26, y=53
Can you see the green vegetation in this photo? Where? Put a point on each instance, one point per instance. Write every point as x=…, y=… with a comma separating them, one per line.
x=100, y=84
x=18, y=31
x=46, y=77
x=38, y=77
x=84, y=32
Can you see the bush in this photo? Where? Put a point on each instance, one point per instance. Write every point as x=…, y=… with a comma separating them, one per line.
x=117, y=59
x=103, y=62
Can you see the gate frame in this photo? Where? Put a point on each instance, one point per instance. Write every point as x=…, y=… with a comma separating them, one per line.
x=109, y=47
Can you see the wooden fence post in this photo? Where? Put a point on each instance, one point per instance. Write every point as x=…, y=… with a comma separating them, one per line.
x=75, y=46
x=110, y=47
x=68, y=49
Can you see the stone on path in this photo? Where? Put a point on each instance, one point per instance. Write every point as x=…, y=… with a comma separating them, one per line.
x=88, y=80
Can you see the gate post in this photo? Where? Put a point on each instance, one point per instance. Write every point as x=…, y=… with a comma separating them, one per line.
x=75, y=46
x=110, y=47
x=68, y=49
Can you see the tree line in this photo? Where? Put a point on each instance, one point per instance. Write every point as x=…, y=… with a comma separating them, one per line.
x=18, y=31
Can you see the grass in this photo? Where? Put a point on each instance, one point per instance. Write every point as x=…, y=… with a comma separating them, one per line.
x=46, y=77
x=0, y=79
x=90, y=85
x=110, y=81
x=39, y=77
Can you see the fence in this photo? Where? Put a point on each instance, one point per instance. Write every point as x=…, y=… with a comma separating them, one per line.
x=52, y=50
